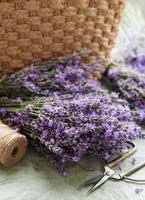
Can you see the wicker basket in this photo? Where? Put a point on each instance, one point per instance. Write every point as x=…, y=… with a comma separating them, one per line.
x=35, y=30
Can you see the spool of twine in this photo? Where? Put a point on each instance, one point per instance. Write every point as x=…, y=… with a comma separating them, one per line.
x=12, y=146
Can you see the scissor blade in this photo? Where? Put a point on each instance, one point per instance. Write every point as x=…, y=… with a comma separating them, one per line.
x=108, y=173
x=92, y=181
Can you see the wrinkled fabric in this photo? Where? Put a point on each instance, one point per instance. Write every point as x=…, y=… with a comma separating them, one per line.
x=34, y=179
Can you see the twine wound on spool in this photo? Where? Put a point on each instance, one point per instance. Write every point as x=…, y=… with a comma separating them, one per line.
x=12, y=146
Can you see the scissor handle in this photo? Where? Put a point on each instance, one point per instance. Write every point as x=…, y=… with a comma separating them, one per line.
x=132, y=170
x=123, y=157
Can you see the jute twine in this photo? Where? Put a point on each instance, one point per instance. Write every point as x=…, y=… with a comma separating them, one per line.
x=12, y=146
x=36, y=30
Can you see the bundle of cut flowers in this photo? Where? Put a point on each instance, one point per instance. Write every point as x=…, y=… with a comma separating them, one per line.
x=66, y=127
x=130, y=49
x=64, y=75
x=129, y=78
x=129, y=82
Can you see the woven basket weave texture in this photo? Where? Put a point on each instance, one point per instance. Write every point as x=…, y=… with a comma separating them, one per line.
x=35, y=30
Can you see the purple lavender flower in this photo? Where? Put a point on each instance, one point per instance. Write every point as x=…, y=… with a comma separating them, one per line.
x=139, y=190
x=2, y=112
x=17, y=100
x=120, y=166
x=113, y=74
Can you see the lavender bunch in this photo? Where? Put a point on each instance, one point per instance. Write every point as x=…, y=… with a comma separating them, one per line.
x=65, y=128
x=65, y=75
x=130, y=49
x=129, y=81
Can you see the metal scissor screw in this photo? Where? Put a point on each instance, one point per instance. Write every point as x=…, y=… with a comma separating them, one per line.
x=108, y=173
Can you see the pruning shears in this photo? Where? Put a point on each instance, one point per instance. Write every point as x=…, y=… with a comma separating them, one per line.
x=109, y=173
